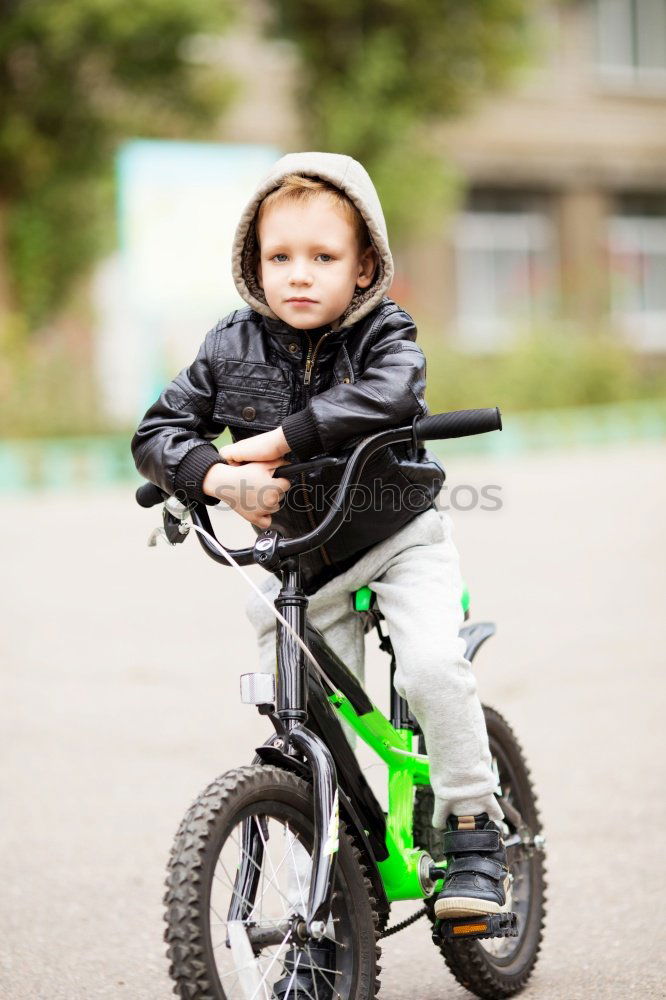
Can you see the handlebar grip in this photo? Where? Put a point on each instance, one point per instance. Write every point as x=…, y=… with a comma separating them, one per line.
x=458, y=423
x=150, y=495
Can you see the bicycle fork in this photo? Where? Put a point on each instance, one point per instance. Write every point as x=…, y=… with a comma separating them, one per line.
x=295, y=738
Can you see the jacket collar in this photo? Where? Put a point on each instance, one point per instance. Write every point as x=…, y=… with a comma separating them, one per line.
x=278, y=327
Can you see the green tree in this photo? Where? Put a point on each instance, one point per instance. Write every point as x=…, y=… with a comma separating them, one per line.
x=379, y=75
x=76, y=77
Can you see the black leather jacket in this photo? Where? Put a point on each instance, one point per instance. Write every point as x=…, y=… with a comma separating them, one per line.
x=327, y=389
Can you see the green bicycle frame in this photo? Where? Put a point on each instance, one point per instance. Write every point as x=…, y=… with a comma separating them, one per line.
x=400, y=871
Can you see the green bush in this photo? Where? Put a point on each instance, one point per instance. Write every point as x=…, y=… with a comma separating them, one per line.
x=78, y=78
x=545, y=370
x=46, y=388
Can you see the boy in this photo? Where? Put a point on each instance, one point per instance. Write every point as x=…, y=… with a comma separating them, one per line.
x=320, y=359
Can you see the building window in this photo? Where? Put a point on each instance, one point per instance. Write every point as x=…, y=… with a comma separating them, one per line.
x=631, y=41
x=504, y=272
x=637, y=252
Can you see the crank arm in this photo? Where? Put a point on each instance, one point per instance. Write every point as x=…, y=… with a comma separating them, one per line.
x=523, y=838
x=511, y=814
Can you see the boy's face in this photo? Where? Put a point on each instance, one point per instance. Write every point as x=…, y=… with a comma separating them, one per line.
x=309, y=263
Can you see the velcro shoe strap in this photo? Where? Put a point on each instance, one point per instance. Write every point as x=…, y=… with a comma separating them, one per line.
x=471, y=841
x=481, y=866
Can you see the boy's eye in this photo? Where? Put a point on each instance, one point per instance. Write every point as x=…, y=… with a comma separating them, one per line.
x=281, y=257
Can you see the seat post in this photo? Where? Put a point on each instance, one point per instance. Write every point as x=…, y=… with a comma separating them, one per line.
x=401, y=717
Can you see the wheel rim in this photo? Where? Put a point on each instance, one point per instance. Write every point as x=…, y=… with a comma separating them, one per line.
x=258, y=889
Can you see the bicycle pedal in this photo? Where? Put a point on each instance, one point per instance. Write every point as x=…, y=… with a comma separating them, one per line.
x=489, y=926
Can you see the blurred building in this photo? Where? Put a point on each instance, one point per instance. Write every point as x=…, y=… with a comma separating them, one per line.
x=565, y=211
x=566, y=208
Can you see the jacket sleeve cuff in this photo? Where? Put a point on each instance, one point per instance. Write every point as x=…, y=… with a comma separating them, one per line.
x=192, y=470
x=301, y=433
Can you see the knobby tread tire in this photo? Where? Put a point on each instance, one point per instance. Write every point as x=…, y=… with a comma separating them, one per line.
x=184, y=935
x=471, y=965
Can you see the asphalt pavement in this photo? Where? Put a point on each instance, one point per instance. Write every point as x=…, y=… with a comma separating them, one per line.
x=119, y=703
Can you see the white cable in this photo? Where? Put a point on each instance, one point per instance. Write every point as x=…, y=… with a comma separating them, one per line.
x=232, y=562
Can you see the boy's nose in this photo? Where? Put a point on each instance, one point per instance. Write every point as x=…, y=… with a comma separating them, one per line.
x=300, y=275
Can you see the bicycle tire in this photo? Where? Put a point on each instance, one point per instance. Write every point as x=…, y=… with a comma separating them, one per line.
x=493, y=977
x=272, y=795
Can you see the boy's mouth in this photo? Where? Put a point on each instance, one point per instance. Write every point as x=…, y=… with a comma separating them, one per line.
x=302, y=300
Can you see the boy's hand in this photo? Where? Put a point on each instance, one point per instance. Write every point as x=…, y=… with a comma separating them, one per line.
x=260, y=448
x=250, y=490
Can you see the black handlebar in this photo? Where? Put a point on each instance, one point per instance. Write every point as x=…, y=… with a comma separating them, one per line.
x=458, y=423
x=150, y=495
x=438, y=426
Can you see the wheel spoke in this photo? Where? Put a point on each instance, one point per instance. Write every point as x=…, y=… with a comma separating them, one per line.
x=314, y=978
x=271, y=882
x=234, y=890
x=291, y=978
x=239, y=968
x=319, y=969
x=295, y=867
x=272, y=963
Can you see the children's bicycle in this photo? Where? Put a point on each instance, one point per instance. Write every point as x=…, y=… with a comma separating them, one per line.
x=283, y=872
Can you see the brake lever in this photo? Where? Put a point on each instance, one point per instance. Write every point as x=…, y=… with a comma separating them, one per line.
x=155, y=535
x=174, y=530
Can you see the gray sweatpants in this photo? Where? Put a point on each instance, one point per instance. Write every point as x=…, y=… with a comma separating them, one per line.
x=416, y=576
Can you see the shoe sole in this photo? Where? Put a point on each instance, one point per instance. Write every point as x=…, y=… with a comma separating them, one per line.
x=459, y=906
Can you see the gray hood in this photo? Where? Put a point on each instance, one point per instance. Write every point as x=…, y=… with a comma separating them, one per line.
x=348, y=175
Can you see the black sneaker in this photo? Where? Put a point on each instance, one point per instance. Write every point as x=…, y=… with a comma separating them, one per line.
x=477, y=878
x=307, y=982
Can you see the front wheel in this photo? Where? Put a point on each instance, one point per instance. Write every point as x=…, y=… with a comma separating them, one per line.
x=238, y=882
x=495, y=968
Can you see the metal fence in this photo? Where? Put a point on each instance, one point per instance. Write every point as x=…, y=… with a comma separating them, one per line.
x=69, y=463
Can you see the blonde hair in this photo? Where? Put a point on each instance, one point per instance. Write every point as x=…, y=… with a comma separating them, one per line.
x=298, y=188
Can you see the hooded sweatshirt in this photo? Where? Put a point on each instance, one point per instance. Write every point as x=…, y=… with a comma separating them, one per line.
x=327, y=388
x=350, y=177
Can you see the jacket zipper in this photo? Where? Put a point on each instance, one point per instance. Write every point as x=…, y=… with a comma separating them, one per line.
x=307, y=378
x=311, y=358
x=308, y=361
